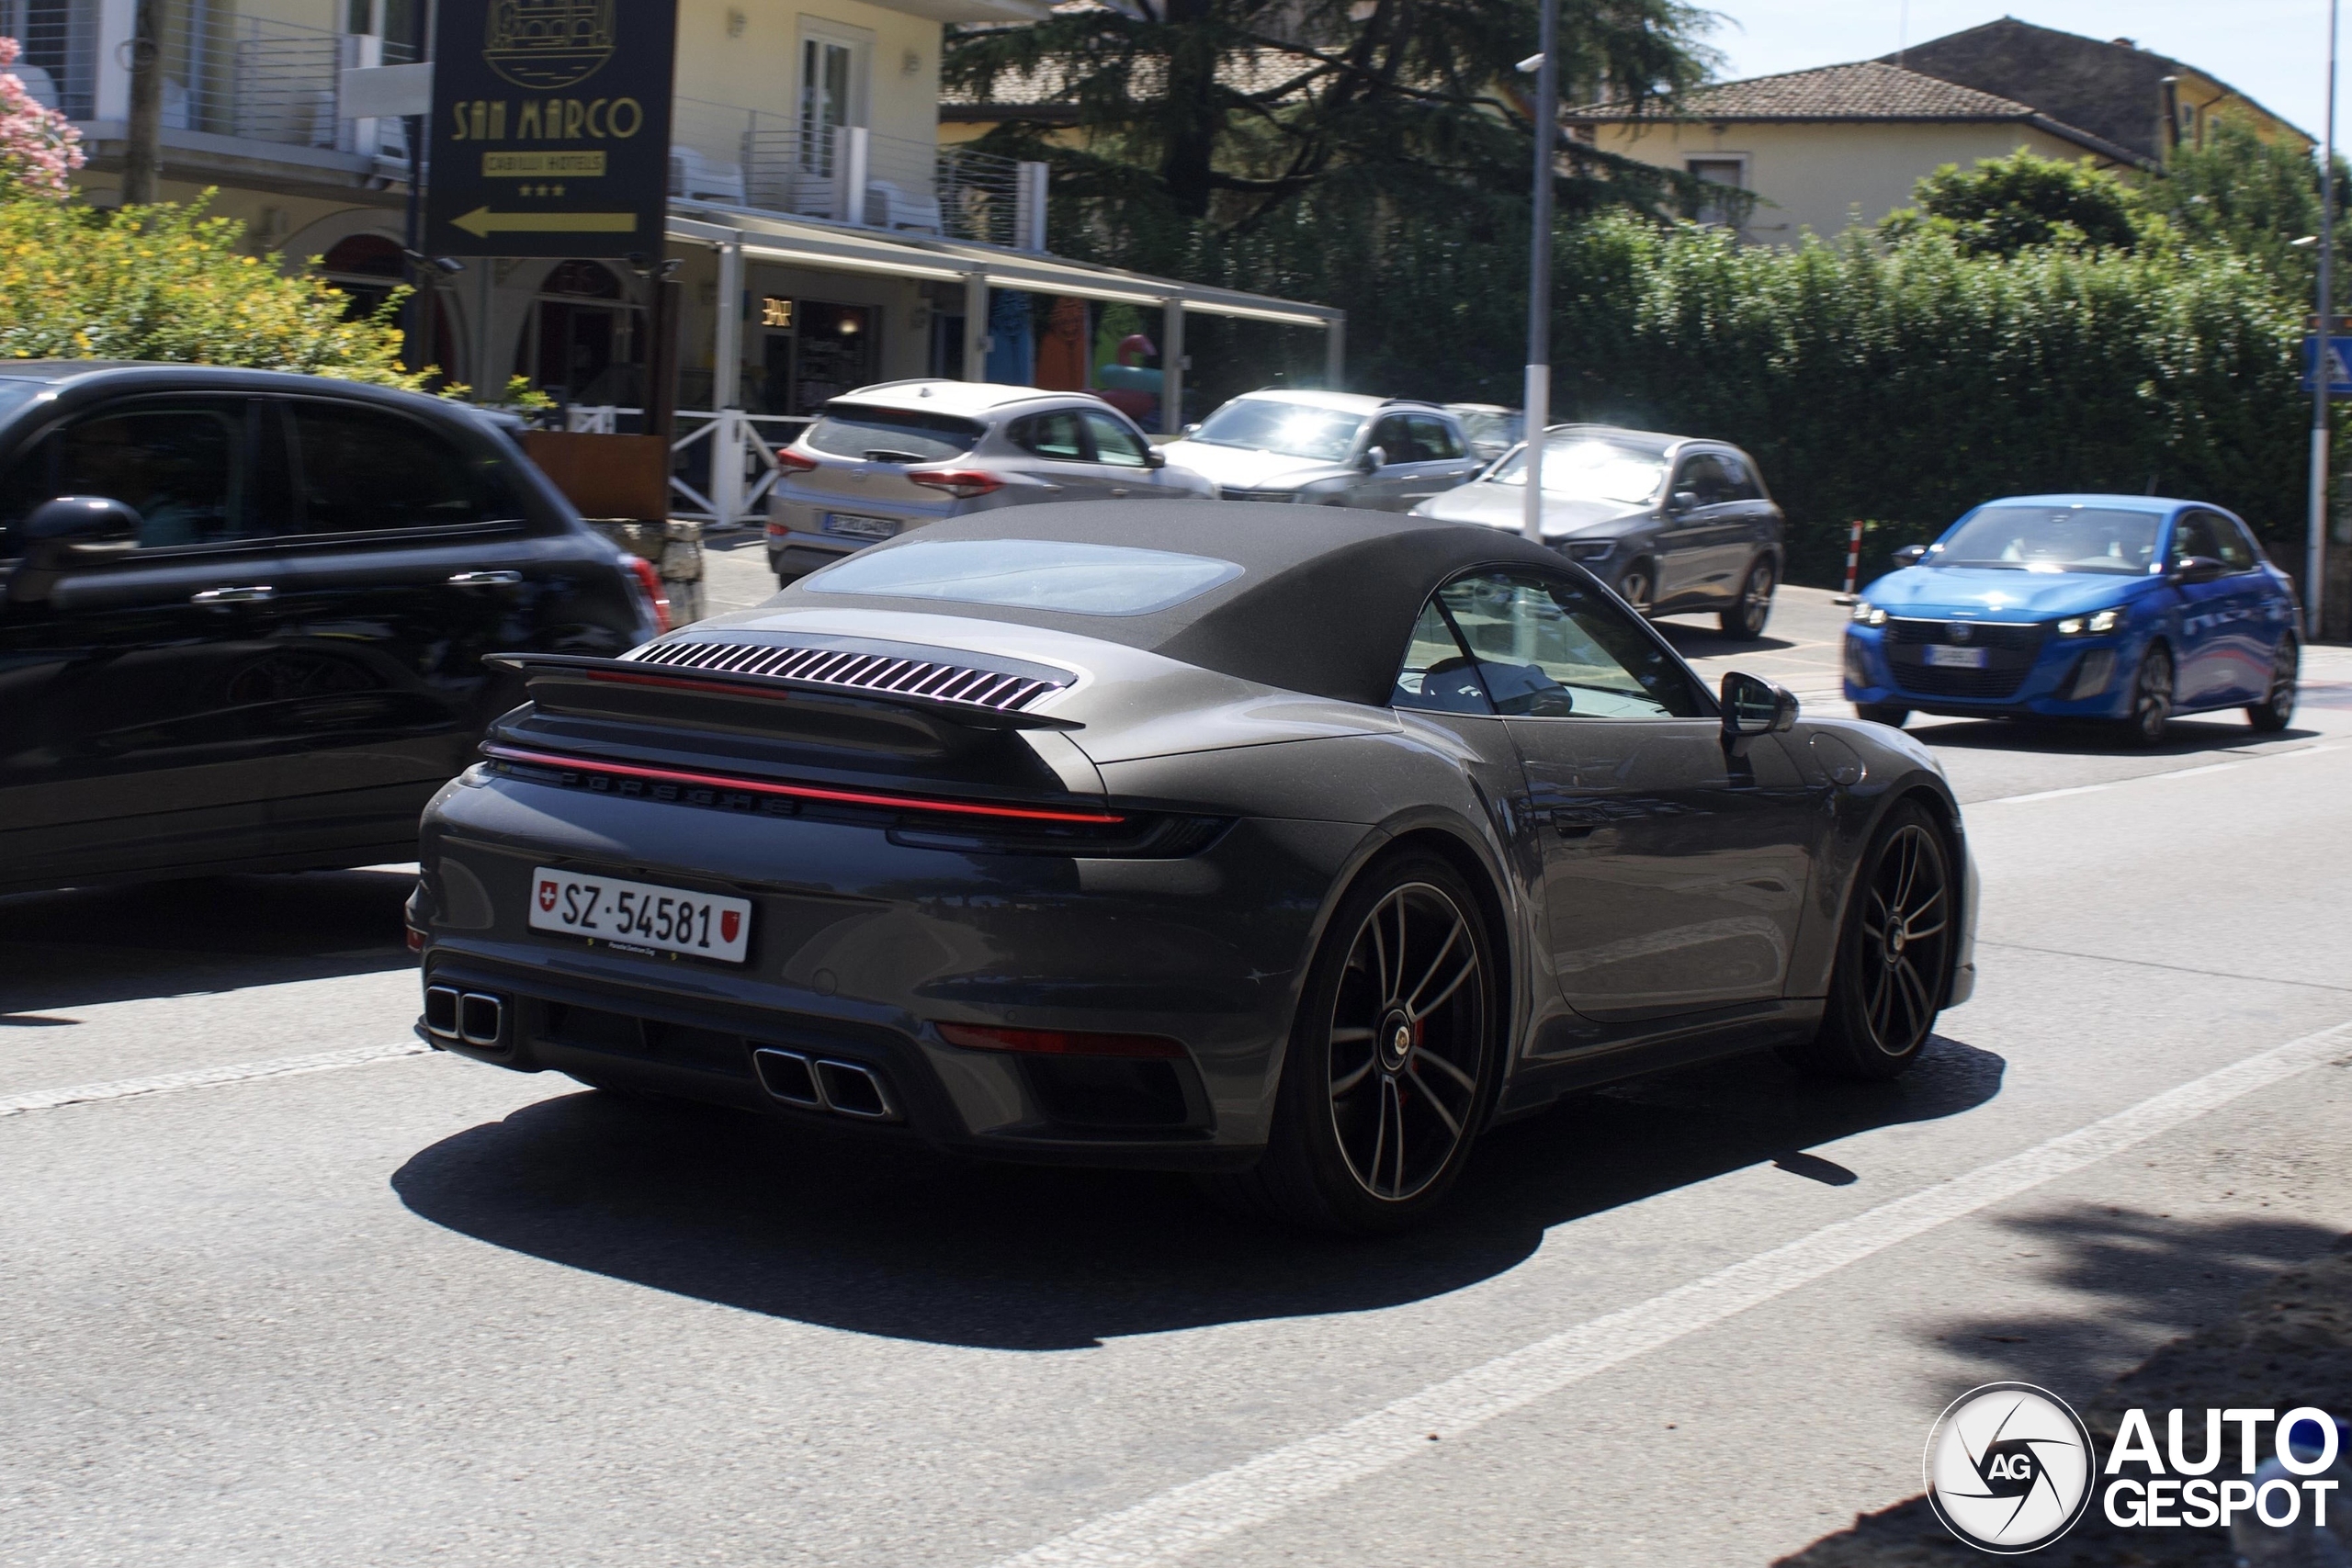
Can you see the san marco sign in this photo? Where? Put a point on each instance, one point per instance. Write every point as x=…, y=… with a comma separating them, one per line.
x=550, y=127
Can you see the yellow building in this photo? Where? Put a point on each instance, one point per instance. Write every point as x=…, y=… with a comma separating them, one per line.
x=1826, y=148
x=826, y=238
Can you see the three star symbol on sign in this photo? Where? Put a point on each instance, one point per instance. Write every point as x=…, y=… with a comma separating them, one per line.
x=542, y=190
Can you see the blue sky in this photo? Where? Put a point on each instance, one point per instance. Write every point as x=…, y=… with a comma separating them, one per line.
x=2273, y=50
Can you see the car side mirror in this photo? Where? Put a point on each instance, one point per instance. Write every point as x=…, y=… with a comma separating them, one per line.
x=78, y=530
x=1753, y=706
x=71, y=531
x=1374, y=458
x=2198, y=569
x=1153, y=457
x=1193, y=429
x=1683, y=500
x=1911, y=555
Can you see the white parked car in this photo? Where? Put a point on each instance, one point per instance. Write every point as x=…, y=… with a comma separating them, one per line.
x=1328, y=449
x=886, y=459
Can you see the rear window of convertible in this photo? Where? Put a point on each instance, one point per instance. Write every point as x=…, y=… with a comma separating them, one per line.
x=1030, y=574
x=892, y=436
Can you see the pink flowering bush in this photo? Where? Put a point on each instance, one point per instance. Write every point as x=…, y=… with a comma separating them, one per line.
x=38, y=150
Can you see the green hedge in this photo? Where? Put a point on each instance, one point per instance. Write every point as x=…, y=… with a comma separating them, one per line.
x=1906, y=382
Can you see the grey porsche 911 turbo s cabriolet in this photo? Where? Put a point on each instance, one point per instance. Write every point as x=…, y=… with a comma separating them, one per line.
x=1294, y=848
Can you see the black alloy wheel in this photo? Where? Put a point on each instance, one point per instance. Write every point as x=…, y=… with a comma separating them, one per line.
x=2276, y=709
x=1745, y=616
x=1638, y=587
x=1894, y=955
x=2152, y=697
x=1391, y=1062
x=1892, y=714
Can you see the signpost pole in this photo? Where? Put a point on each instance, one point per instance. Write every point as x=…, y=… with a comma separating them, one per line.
x=420, y=345
x=1539, y=273
x=2315, y=559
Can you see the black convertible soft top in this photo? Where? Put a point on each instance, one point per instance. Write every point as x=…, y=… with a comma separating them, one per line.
x=1324, y=604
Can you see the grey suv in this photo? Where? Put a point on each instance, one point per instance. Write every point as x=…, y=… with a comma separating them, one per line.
x=886, y=459
x=1672, y=523
x=1328, y=449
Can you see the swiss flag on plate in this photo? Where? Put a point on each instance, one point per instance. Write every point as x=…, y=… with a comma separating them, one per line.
x=546, y=895
x=730, y=922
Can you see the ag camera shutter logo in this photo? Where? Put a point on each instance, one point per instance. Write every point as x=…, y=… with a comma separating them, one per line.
x=2009, y=1468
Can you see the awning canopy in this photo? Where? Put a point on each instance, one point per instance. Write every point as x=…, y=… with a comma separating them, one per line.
x=765, y=236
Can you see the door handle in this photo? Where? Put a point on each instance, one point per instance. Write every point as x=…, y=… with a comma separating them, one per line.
x=1118, y=492
x=259, y=594
x=486, y=579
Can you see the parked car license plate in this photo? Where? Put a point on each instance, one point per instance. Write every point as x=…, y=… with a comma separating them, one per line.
x=640, y=915
x=1958, y=658
x=860, y=527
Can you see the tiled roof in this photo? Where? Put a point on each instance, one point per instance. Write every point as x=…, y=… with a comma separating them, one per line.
x=1867, y=89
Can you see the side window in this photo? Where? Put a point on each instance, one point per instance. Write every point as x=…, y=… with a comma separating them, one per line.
x=1437, y=676
x=1740, y=477
x=365, y=470
x=1702, y=475
x=1058, y=435
x=2249, y=543
x=1393, y=436
x=1435, y=439
x=1113, y=443
x=2231, y=547
x=2195, y=534
x=179, y=463
x=1548, y=648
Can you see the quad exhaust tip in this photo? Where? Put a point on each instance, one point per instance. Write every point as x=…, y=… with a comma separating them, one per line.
x=813, y=1083
x=476, y=1018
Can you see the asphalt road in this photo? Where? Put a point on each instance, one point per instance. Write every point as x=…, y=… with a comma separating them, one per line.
x=275, y=1291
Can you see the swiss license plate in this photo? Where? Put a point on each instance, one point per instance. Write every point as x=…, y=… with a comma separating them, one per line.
x=859, y=527
x=1957, y=658
x=640, y=916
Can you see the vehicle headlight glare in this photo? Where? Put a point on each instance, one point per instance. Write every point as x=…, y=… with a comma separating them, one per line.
x=2092, y=625
x=1869, y=615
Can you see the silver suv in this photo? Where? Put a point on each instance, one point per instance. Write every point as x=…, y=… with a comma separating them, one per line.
x=886, y=459
x=1328, y=449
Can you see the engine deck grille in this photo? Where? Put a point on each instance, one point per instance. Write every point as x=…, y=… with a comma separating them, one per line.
x=940, y=682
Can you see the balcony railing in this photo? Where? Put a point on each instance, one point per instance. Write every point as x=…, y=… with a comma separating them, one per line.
x=276, y=81
x=764, y=160
x=61, y=40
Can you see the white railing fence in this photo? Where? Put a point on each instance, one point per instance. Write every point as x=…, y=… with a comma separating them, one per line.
x=739, y=456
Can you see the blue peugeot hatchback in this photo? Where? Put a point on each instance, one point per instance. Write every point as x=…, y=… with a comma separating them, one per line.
x=2121, y=607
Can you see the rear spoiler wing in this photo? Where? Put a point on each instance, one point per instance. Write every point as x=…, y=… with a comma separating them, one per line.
x=838, y=700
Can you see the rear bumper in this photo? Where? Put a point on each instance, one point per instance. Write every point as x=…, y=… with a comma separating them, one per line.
x=861, y=946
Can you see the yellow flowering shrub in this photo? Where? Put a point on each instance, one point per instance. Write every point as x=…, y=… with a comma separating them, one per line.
x=169, y=282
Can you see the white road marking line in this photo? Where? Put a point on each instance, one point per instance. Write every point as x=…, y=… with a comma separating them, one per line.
x=2039, y=795
x=205, y=1077
x=2143, y=778
x=1200, y=1513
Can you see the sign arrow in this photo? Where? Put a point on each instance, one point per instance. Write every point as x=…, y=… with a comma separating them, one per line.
x=482, y=222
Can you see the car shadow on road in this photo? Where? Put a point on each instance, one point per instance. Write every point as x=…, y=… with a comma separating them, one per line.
x=725, y=1208
x=2186, y=737
x=1694, y=641
x=82, y=947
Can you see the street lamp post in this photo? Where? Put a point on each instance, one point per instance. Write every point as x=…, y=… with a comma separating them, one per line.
x=2315, y=556
x=1539, y=273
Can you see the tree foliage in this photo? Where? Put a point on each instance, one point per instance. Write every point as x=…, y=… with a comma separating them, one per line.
x=169, y=282
x=1906, y=382
x=2003, y=205
x=1225, y=111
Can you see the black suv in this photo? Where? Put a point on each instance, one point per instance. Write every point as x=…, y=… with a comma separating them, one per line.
x=242, y=615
